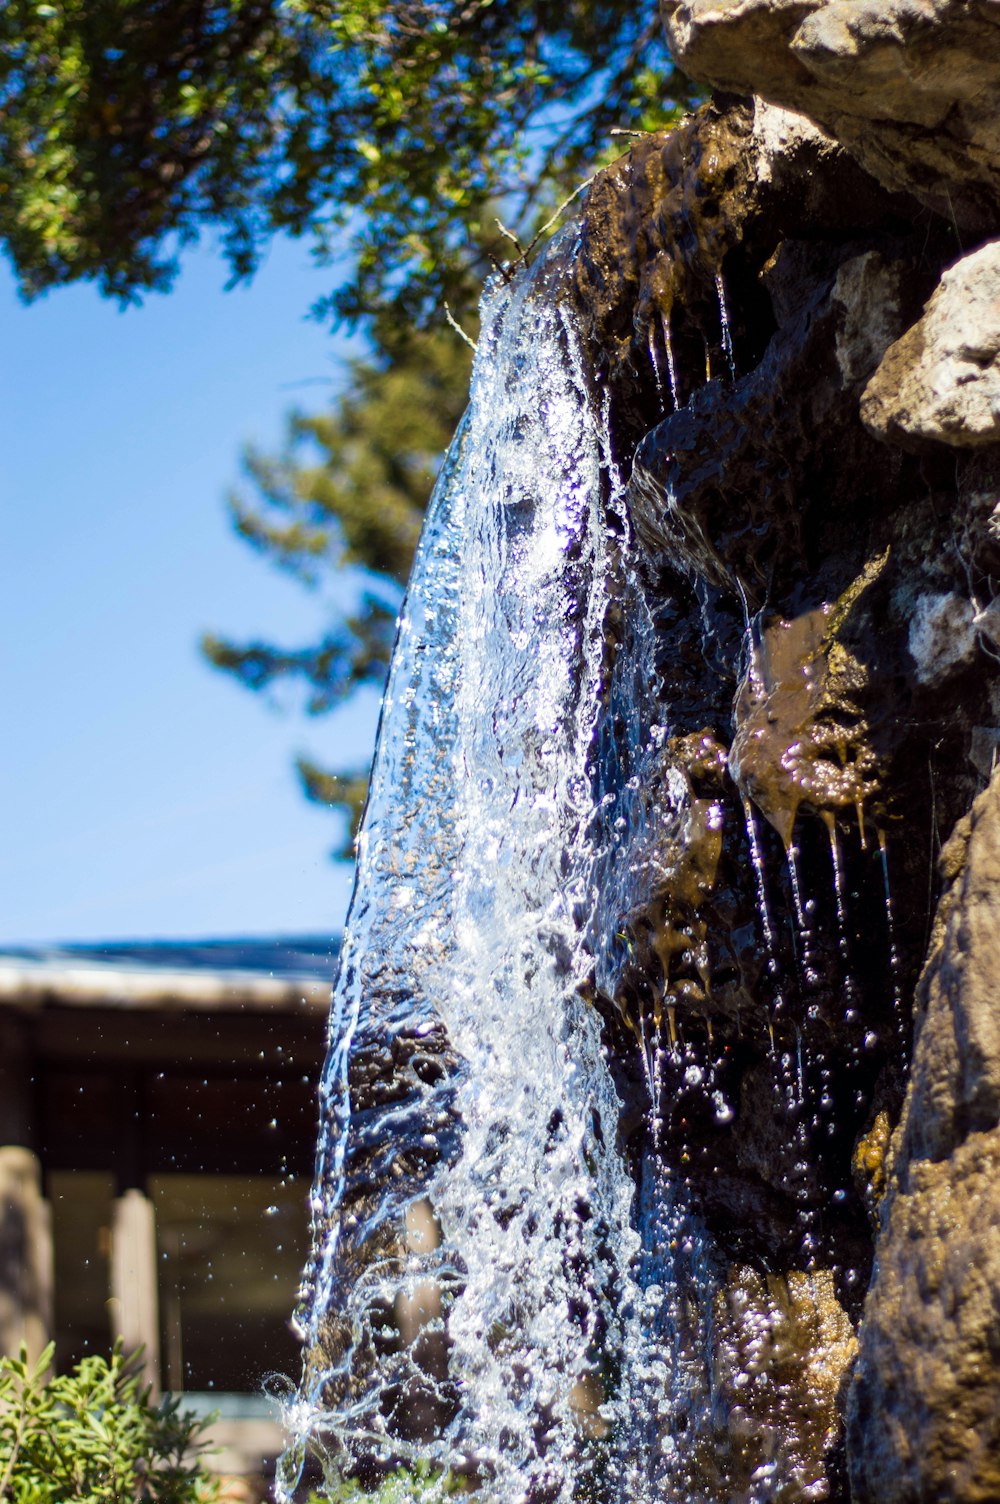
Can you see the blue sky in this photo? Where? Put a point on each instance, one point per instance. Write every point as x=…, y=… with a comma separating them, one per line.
x=142, y=794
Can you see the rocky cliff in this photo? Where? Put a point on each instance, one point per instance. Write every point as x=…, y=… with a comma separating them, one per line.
x=796, y=303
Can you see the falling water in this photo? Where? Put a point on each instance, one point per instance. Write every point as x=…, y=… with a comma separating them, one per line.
x=465, y=1070
x=668, y=345
x=802, y=909
x=895, y=968
x=725, y=326
x=654, y=356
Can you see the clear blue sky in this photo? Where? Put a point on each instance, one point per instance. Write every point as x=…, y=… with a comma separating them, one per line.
x=141, y=793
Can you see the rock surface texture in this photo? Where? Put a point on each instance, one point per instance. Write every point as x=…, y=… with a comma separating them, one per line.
x=941, y=380
x=910, y=87
x=795, y=303
x=924, y=1419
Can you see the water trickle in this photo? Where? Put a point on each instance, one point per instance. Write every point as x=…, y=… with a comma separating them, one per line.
x=840, y=902
x=654, y=356
x=725, y=325
x=895, y=960
x=666, y=1329
x=803, y=910
x=668, y=345
x=760, y=880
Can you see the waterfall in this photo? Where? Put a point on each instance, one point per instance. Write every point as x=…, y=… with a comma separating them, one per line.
x=573, y=1238
x=466, y=1094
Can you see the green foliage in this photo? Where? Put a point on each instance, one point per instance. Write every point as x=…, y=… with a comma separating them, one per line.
x=129, y=126
x=419, y=1485
x=93, y=1437
x=345, y=792
x=349, y=490
x=390, y=133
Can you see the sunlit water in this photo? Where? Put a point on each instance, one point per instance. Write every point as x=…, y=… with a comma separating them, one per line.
x=465, y=1073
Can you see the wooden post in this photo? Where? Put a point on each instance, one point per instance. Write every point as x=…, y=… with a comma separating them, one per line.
x=25, y=1254
x=135, y=1313
x=26, y=1261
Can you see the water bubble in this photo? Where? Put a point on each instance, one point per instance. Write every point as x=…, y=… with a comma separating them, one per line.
x=723, y=1111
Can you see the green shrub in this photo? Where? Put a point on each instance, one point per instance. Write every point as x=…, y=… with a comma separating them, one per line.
x=94, y=1437
x=421, y=1485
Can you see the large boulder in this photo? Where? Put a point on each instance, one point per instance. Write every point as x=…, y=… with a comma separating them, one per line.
x=941, y=380
x=911, y=87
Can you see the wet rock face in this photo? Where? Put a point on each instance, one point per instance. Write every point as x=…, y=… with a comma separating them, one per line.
x=910, y=90
x=814, y=508
x=924, y=1422
x=676, y=233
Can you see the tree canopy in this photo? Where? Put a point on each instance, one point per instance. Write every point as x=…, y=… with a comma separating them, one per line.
x=393, y=135
x=384, y=130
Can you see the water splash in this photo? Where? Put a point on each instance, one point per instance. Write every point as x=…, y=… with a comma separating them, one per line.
x=465, y=1071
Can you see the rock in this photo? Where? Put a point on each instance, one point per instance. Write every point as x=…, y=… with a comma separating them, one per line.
x=802, y=740
x=924, y=1412
x=781, y=1345
x=955, y=1081
x=818, y=592
x=676, y=231
x=941, y=380
x=924, y=1408
x=910, y=87
x=942, y=635
x=872, y=294
x=726, y=482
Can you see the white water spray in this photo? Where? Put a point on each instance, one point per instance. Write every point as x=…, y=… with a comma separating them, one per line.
x=465, y=1070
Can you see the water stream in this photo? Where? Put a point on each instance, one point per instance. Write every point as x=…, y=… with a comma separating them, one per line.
x=466, y=1070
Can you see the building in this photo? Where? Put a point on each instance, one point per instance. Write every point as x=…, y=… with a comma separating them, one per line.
x=157, y=1133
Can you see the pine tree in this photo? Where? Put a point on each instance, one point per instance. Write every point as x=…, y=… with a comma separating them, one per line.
x=349, y=490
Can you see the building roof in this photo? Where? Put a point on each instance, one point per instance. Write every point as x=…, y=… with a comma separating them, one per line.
x=281, y=972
